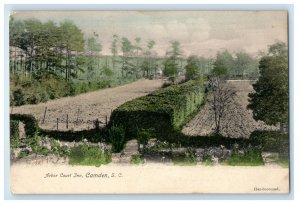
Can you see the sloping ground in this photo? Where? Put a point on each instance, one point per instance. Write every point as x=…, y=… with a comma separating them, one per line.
x=84, y=109
x=238, y=122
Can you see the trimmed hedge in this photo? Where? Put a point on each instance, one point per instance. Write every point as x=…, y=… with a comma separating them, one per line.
x=164, y=110
x=31, y=127
x=93, y=135
x=271, y=141
x=213, y=141
x=31, y=124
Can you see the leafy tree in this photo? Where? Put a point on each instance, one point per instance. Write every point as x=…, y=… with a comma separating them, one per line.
x=126, y=48
x=219, y=70
x=137, y=49
x=192, y=67
x=72, y=42
x=148, y=62
x=278, y=49
x=171, y=64
x=269, y=102
x=245, y=65
x=170, y=67
x=94, y=48
x=224, y=61
x=114, y=49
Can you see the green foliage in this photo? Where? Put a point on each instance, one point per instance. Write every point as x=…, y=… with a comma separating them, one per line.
x=31, y=127
x=212, y=141
x=14, y=134
x=206, y=159
x=219, y=70
x=278, y=49
x=57, y=149
x=187, y=158
x=92, y=135
x=239, y=65
x=137, y=159
x=269, y=102
x=26, y=91
x=46, y=47
x=35, y=144
x=245, y=65
x=88, y=156
x=249, y=157
x=31, y=124
x=170, y=67
x=192, y=68
x=143, y=136
x=283, y=161
x=117, y=137
x=271, y=141
x=164, y=110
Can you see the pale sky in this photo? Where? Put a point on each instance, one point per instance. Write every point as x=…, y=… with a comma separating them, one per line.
x=203, y=33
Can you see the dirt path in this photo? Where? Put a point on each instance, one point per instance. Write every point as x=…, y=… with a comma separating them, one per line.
x=238, y=122
x=84, y=109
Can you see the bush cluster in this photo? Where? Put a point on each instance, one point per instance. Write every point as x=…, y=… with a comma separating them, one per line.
x=88, y=155
x=271, y=141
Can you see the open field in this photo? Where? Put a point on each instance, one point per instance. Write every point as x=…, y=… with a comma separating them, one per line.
x=84, y=109
x=146, y=178
x=238, y=122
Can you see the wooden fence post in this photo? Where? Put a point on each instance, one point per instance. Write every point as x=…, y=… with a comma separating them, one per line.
x=44, y=115
x=67, y=121
x=57, y=124
x=77, y=116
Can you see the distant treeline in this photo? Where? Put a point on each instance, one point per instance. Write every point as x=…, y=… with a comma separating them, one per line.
x=50, y=60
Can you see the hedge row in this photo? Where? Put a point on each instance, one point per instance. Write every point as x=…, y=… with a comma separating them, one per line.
x=271, y=141
x=31, y=124
x=164, y=110
x=92, y=135
x=31, y=127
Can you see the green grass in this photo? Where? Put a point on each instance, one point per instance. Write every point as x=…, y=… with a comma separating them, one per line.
x=283, y=162
x=251, y=157
x=137, y=159
x=88, y=156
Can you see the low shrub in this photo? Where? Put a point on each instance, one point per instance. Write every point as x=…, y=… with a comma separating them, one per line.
x=271, y=141
x=212, y=141
x=187, y=158
x=35, y=143
x=248, y=157
x=88, y=156
x=143, y=136
x=117, y=138
x=93, y=135
x=137, y=159
x=14, y=134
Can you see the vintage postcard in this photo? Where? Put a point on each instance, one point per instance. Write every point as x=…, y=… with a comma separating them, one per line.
x=151, y=102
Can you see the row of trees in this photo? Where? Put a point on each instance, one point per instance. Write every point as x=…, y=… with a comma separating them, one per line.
x=60, y=49
x=38, y=47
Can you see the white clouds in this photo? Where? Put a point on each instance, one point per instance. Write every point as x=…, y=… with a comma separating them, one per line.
x=199, y=32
